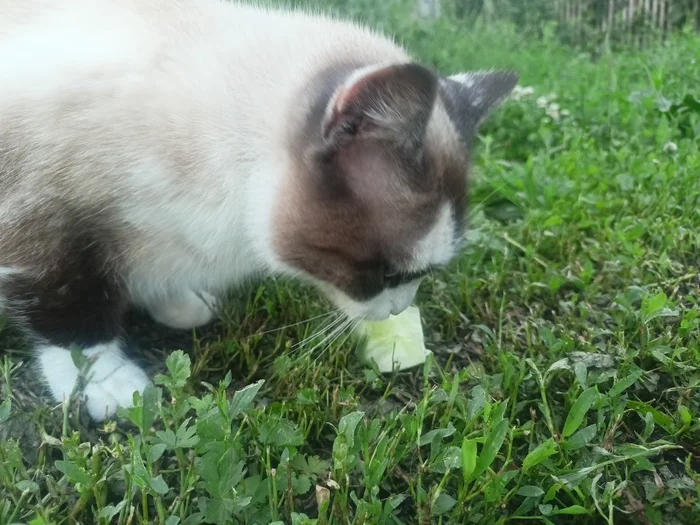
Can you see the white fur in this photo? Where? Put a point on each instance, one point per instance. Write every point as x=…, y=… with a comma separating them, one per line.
x=438, y=245
x=189, y=310
x=468, y=79
x=111, y=378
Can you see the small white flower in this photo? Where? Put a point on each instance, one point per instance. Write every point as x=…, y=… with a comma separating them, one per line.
x=553, y=111
x=520, y=92
x=542, y=102
x=670, y=147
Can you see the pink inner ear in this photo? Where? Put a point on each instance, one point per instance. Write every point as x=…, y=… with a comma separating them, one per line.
x=349, y=94
x=387, y=102
x=339, y=103
x=346, y=97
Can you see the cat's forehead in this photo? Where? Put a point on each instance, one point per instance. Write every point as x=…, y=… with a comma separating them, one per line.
x=445, y=165
x=408, y=209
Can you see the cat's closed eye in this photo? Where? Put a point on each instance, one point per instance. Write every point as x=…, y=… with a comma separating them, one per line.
x=394, y=277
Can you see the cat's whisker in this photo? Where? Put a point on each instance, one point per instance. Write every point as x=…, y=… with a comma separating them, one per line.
x=323, y=328
x=348, y=330
x=329, y=326
x=340, y=333
x=344, y=330
x=329, y=338
x=279, y=329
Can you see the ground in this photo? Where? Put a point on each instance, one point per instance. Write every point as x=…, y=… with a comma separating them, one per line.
x=564, y=385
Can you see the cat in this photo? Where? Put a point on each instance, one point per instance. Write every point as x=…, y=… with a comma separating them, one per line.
x=155, y=153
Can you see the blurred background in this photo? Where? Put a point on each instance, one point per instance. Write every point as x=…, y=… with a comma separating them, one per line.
x=587, y=23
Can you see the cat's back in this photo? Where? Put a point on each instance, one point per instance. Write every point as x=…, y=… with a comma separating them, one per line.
x=97, y=80
x=131, y=56
x=53, y=36
x=53, y=47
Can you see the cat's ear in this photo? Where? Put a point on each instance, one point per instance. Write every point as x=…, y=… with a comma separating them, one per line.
x=389, y=102
x=469, y=97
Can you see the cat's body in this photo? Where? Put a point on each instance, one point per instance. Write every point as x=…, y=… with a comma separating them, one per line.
x=157, y=152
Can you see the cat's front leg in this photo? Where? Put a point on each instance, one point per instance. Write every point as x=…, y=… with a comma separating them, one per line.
x=76, y=302
x=184, y=310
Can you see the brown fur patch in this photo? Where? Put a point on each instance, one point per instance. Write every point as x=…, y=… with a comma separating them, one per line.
x=66, y=289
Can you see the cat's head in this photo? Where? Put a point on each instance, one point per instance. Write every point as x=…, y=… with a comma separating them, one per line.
x=378, y=191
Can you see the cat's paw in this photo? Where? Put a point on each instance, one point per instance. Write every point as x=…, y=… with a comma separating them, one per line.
x=186, y=311
x=109, y=382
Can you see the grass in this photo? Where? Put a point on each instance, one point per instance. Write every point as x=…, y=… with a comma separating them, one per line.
x=564, y=385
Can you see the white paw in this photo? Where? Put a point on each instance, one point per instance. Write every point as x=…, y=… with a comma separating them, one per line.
x=186, y=311
x=110, y=381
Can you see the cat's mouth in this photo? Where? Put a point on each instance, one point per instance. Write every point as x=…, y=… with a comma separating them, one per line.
x=390, y=301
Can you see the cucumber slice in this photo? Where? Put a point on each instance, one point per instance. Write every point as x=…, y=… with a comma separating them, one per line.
x=396, y=343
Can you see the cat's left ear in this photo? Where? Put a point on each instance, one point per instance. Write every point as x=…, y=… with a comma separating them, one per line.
x=470, y=97
x=391, y=102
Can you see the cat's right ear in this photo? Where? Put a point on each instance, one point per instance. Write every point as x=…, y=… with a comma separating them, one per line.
x=470, y=97
x=387, y=102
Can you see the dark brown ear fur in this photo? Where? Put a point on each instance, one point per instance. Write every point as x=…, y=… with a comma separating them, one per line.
x=469, y=97
x=391, y=103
